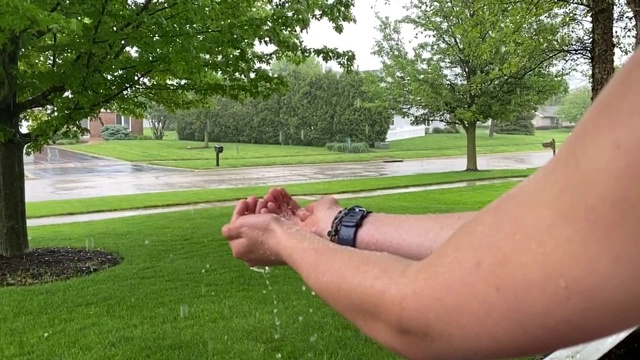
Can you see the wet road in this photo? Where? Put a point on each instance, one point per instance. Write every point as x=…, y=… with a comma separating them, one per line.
x=91, y=176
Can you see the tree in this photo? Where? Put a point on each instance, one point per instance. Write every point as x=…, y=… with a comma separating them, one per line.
x=634, y=6
x=74, y=58
x=574, y=105
x=521, y=124
x=160, y=119
x=474, y=60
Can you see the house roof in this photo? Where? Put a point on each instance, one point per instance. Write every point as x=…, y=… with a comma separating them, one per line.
x=548, y=111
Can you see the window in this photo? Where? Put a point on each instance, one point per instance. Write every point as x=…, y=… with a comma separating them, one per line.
x=123, y=120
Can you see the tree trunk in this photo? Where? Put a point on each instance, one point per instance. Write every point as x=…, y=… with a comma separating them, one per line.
x=492, y=128
x=602, y=44
x=13, y=217
x=634, y=5
x=206, y=133
x=472, y=156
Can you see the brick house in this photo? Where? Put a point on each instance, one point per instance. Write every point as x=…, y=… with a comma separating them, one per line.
x=136, y=126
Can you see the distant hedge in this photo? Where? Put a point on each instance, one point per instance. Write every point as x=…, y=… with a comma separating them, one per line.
x=318, y=108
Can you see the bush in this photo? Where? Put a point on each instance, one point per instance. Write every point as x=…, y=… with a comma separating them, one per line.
x=438, y=130
x=143, y=137
x=115, y=132
x=520, y=126
x=344, y=147
x=451, y=130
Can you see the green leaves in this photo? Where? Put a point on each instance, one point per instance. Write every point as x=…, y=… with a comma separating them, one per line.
x=318, y=107
x=574, y=105
x=472, y=60
x=81, y=57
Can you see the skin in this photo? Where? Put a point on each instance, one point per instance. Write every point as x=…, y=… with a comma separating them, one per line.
x=377, y=233
x=550, y=264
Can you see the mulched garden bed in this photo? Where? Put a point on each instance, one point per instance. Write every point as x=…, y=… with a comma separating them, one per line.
x=43, y=265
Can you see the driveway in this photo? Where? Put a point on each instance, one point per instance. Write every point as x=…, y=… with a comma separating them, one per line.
x=89, y=176
x=53, y=163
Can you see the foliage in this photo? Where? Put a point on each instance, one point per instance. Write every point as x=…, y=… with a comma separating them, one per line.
x=160, y=120
x=348, y=148
x=319, y=107
x=123, y=54
x=115, y=132
x=473, y=60
x=71, y=59
x=521, y=125
x=574, y=105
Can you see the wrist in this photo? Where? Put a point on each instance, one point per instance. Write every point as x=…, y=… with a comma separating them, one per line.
x=346, y=225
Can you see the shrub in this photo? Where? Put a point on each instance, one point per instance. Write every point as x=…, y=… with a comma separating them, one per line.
x=143, y=137
x=451, y=130
x=115, y=132
x=67, y=141
x=438, y=130
x=344, y=147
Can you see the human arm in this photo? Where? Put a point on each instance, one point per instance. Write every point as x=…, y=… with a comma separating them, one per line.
x=550, y=264
x=421, y=234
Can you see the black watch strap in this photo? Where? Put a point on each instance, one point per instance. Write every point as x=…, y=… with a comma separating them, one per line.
x=346, y=226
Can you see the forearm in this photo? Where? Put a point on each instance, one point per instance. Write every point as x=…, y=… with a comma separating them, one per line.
x=409, y=236
x=360, y=285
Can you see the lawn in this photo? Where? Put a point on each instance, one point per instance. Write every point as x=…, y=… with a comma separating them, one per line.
x=191, y=155
x=180, y=295
x=172, y=198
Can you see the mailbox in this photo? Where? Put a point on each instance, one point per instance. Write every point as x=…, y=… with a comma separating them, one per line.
x=218, y=149
x=550, y=145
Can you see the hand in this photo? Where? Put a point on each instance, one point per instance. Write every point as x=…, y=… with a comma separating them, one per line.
x=253, y=237
x=317, y=217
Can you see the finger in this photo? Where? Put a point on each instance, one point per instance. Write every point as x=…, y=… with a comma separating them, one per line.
x=240, y=210
x=278, y=195
x=231, y=231
x=264, y=211
x=252, y=202
x=273, y=208
x=261, y=204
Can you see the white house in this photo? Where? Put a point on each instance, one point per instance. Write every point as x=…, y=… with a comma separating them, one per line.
x=401, y=128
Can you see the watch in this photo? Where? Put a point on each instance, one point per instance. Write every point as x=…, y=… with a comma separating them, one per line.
x=346, y=225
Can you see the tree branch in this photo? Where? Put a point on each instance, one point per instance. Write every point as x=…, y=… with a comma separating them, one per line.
x=40, y=100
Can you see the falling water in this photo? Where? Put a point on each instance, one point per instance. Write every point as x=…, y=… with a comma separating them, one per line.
x=265, y=273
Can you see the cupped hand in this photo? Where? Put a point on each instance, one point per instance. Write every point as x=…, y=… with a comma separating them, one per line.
x=317, y=217
x=256, y=238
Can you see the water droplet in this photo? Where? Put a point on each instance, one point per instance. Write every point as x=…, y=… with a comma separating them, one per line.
x=184, y=310
x=310, y=310
x=278, y=356
x=277, y=321
x=146, y=242
x=207, y=265
x=299, y=318
x=313, y=337
x=313, y=293
x=203, y=271
x=304, y=288
x=46, y=334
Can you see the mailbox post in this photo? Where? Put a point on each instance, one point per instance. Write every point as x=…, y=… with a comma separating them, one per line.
x=550, y=145
x=218, y=149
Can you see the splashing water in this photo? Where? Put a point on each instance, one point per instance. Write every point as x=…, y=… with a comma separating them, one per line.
x=184, y=311
x=89, y=243
x=265, y=273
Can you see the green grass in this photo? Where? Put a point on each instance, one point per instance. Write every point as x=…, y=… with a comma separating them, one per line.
x=177, y=153
x=174, y=260
x=171, y=198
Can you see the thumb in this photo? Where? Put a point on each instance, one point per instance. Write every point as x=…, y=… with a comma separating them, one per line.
x=233, y=230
